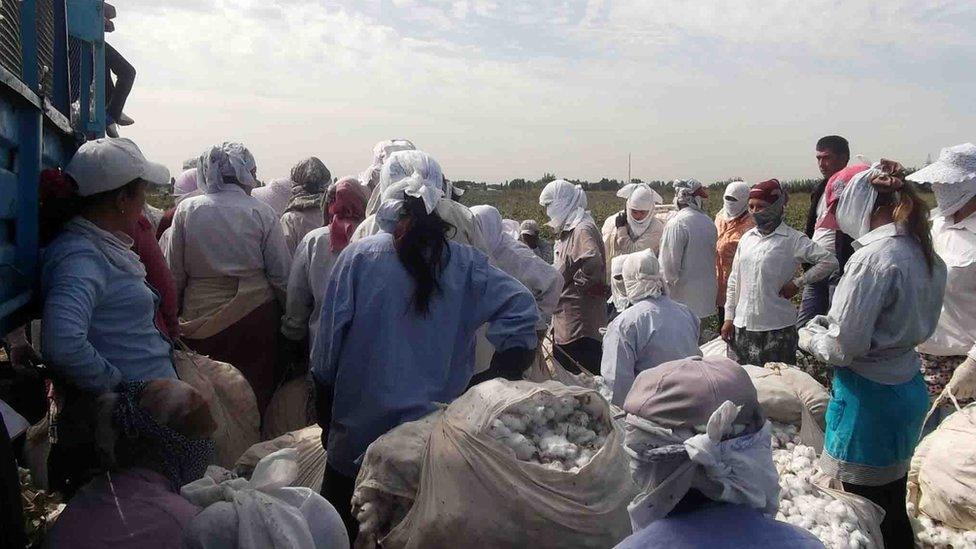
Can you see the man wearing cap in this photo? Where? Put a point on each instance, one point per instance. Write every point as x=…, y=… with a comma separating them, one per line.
x=529, y=235
x=689, y=422
x=98, y=326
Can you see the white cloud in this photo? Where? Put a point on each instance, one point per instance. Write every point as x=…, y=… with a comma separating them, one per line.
x=506, y=89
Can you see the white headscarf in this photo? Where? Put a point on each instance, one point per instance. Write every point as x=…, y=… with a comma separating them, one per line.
x=618, y=290
x=642, y=276
x=666, y=464
x=412, y=173
x=512, y=228
x=688, y=192
x=856, y=203
x=490, y=223
x=640, y=196
x=226, y=160
x=382, y=151
x=565, y=204
x=739, y=190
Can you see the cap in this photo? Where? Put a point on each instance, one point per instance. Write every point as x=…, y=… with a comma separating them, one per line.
x=684, y=393
x=529, y=226
x=111, y=163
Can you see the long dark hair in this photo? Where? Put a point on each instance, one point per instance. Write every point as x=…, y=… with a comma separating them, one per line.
x=60, y=201
x=912, y=212
x=421, y=241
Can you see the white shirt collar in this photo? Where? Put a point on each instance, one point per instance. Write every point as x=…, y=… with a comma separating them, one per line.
x=782, y=229
x=885, y=231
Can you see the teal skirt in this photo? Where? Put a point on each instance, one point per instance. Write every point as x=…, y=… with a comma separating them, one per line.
x=872, y=429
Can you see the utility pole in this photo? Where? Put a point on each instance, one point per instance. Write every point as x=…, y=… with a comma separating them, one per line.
x=628, y=170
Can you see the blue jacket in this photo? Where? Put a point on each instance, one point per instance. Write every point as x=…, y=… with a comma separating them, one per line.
x=99, y=321
x=387, y=364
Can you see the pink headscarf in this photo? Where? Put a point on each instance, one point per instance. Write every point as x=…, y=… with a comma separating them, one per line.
x=347, y=209
x=186, y=183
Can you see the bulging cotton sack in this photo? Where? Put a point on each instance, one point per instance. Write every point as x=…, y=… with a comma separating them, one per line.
x=473, y=488
x=942, y=478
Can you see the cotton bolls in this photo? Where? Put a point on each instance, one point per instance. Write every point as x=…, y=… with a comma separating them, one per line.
x=559, y=433
x=378, y=512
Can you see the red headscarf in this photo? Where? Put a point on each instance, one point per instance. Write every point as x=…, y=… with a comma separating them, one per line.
x=769, y=191
x=833, y=190
x=347, y=210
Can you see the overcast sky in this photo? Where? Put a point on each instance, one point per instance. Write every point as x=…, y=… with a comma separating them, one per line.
x=502, y=89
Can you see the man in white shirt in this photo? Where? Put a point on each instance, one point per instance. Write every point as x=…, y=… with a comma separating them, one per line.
x=760, y=319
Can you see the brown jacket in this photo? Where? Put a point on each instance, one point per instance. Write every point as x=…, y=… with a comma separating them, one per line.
x=581, y=260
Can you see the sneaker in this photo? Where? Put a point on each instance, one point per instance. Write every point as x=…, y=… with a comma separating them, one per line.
x=124, y=120
x=112, y=130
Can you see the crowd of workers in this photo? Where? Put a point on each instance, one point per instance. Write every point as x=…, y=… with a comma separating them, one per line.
x=396, y=297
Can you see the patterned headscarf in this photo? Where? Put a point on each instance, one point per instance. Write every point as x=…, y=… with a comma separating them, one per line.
x=225, y=166
x=182, y=458
x=772, y=193
x=310, y=179
x=346, y=210
x=689, y=193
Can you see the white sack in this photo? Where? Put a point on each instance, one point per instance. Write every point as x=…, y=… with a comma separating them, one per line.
x=942, y=478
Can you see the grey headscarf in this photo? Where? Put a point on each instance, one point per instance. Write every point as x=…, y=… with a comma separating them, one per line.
x=310, y=179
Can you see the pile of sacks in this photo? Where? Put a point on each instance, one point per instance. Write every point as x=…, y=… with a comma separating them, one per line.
x=561, y=433
x=511, y=464
x=829, y=515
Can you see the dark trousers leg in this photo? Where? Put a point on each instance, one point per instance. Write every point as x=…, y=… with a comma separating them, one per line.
x=721, y=316
x=816, y=301
x=125, y=77
x=896, y=526
x=337, y=489
x=585, y=351
x=11, y=511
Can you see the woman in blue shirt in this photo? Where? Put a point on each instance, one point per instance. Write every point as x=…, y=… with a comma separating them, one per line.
x=397, y=327
x=887, y=302
x=98, y=326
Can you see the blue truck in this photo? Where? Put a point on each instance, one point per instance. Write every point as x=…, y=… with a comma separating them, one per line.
x=52, y=62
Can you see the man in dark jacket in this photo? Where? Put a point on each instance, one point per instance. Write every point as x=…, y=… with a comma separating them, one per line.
x=833, y=154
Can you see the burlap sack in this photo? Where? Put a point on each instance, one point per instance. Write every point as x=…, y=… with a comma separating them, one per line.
x=311, y=456
x=942, y=478
x=291, y=408
x=474, y=492
x=232, y=403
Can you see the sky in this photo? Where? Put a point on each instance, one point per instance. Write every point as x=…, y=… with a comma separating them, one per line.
x=497, y=90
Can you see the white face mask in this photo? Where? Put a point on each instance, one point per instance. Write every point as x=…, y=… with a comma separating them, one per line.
x=736, y=199
x=953, y=197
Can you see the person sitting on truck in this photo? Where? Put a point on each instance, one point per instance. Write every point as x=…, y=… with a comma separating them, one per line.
x=98, y=326
x=117, y=92
x=689, y=422
x=230, y=262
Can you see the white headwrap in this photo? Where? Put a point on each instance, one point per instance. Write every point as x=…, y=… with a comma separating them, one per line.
x=687, y=192
x=618, y=291
x=512, y=228
x=226, y=160
x=856, y=203
x=953, y=178
x=411, y=173
x=640, y=196
x=565, y=204
x=382, y=151
x=739, y=190
x=490, y=223
x=722, y=466
x=642, y=276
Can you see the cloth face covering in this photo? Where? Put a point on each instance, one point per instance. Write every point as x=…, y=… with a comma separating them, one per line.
x=724, y=467
x=617, y=287
x=228, y=159
x=565, y=204
x=736, y=199
x=642, y=198
x=310, y=179
x=183, y=459
x=771, y=216
x=859, y=196
x=490, y=222
x=952, y=197
x=642, y=276
x=346, y=211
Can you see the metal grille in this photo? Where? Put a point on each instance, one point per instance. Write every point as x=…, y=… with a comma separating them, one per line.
x=10, y=52
x=45, y=46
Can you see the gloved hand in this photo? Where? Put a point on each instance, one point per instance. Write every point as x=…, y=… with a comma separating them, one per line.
x=508, y=364
x=963, y=382
x=621, y=220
